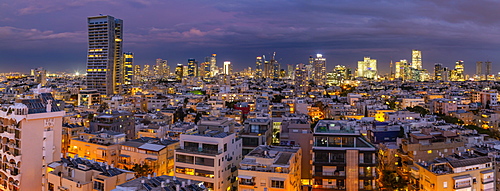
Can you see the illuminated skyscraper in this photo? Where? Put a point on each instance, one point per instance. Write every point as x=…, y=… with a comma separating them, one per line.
x=319, y=69
x=338, y=75
x=214, y=70
x=204, y=69
x=458, y=73
x=162, y=68
x=128, y=63
x=438, y=72
x=228, y=68
x=300, y=78
x=259, y=62
x=416, y=59
x=137, y=74
x=179, y=72
x=192, y=68
x=104, y=58
x=367, y=68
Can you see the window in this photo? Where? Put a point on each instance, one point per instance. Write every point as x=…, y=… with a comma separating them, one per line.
x=51, y=187
x=254, y=129
x=445, y=184
x=98, y=186
x=277, y=184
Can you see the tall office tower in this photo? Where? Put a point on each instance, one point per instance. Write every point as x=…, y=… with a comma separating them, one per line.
x=104, y=60
x=40, y=75
x=146, y=71
x=228, y=68
x=397, y=70
x=213, y=64
x=446, y=74
x=488, y=68
x=290, y=71
x=192, y=67
x=259, y=63
x=367, y=68
x=300, y=78
x=137, y=74
x=458, y=73
x=128, y=62
x=338, y=75
x=416, y=59
x=479, y=68
x=179, y=72
x=342, y=158
x=204, y=69
x=438, y=72
x=31, y=136
x=319, y=71
x=162, y=69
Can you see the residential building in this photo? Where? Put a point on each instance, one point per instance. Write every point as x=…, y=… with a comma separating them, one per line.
x=342, y=158
x=271, y=168
x=78, y=174
x=31, y=134
x=212, y=158
x=100, y=146
x=156, y=153
x=118, y=121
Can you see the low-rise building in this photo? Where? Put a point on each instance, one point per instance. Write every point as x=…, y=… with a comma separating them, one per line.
x=271, y=168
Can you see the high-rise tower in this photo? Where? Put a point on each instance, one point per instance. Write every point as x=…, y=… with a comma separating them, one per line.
x=192, y=68
x=128, y=62
x=367, y=68
x=213, y=64
x=416, y=59
x=259, y=62
x=479, y=68
x=438, y=72
x=104, y=58
x=319, y=65
x=228, y=68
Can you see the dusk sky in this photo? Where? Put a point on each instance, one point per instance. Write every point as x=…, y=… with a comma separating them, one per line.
x=53, y=33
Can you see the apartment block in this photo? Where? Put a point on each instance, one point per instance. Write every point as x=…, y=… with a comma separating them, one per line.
x=271, y=168
x=212, y=158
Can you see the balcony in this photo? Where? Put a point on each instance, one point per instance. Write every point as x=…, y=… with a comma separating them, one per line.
x=247, y=183
x=261, y=169
x=198, y=150
x=337, y=174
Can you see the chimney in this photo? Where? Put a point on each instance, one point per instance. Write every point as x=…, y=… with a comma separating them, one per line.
x=168, y=181
x=189, y=181
x=174, y=178
x=142, y=181
x=162, y=184
x=149, y=176
x=177, y=187
x=183, y=184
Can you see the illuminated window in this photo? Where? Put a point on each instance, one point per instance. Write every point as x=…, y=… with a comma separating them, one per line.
x=429, y=151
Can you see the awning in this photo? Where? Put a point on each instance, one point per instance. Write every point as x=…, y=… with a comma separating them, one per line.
x=245, y=177
x=122, y=155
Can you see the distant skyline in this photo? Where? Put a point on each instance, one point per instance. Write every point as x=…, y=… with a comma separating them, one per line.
x=53, y=34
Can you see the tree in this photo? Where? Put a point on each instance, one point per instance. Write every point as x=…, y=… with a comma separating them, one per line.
x=391, y=181
x=142, y=170
x=418, y=109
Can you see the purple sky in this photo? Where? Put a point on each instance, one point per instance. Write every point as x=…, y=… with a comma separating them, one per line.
x=52, y=33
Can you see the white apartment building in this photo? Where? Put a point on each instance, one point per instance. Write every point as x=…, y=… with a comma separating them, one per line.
x=212, y=158
x=30, y=134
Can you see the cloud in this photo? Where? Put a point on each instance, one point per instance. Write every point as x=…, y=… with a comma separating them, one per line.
x=20, y=36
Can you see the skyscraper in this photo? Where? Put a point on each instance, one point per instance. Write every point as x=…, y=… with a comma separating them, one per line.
x=192, y=68
x=458, y=73
x=367, y=68
x=259, y=62
x=488, y=68
x=438, y=72
x=104, y=58
x=228, y=68
x=179, y=72
x=128, y=62
x=416, y=59
x=162, y=68
x=479, y=68
x=213, y=64
x=319, y=68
